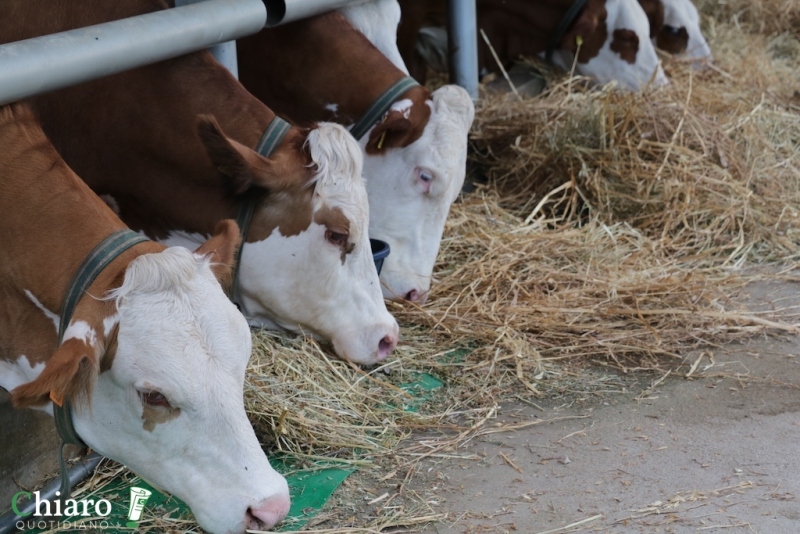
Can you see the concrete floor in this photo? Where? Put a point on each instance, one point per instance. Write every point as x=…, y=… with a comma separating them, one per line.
x=719, y=452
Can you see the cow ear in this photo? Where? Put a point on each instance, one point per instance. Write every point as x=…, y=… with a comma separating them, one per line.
x=69, y=374
x=242, y=166
x=233, y=160
x=221, y=248
x=395, y=131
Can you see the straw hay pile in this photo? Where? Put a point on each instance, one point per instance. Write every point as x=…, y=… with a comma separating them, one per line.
x=613, y=229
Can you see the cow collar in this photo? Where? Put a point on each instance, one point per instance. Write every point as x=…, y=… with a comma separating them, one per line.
x=563, y=26
x=97, y=260
x=381, y=105
x=270, y=140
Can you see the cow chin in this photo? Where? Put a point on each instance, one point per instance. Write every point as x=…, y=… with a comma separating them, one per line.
x=173, y=454
x=365, y=345
x=301, y=284
x=401, y=283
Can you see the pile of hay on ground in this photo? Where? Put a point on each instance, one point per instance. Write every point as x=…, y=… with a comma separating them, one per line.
x=613, y=228
x=765, y=17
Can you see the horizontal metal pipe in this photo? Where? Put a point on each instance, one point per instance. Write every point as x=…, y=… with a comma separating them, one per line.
x=283, y=11
x=77, y=473
x=43, y=64
x=224, y=53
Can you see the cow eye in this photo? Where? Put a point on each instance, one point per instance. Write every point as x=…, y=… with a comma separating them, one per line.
x=425, y=175
x=154, y=398
x=337, y=238
x=672, y=30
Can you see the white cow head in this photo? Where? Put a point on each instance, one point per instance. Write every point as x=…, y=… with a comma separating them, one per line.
x=623, y=52
x=411, y=189
x=307, y=265
x=681, y=31
x=157, y=383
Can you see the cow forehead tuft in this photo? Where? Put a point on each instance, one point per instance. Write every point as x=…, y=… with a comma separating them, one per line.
x=178, y=306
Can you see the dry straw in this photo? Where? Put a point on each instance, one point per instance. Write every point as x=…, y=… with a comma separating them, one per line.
x=613, y=228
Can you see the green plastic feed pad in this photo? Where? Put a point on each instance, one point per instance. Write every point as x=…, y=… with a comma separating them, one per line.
x=310, y=489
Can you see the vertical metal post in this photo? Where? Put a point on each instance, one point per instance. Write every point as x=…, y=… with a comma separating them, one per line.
x=462, y=40
x=225, y=53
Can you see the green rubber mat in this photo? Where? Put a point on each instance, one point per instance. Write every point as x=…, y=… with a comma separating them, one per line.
x=310, y=489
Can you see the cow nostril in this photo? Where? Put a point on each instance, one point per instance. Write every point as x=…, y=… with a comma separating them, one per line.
x=386, y=346
x=268, y=513
x=253, y=523
x=416, y=296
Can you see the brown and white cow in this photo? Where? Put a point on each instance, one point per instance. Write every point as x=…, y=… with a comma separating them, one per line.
x=306, y=264
x=415, y=158
x=611, y=38
x=154, y=357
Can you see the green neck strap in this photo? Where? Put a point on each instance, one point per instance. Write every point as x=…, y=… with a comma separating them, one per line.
x=97, y=260
x=562, y=28
x=379, y=108
x=270, y=140
x=273, y=136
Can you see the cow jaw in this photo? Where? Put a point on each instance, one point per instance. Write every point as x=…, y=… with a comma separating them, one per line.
x=410, y=192
x=179, y=336
x=313, y=288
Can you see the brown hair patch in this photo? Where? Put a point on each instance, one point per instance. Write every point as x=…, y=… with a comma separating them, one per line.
x=673, y=40
x=154, y=416
x=626, y=44
x=336, y=225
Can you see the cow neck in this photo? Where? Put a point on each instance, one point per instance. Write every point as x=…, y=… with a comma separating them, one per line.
x=33, y=174
x=162, y=177
x=270, y=140
x=380, y=106
x=564, y=25
x=332, y=71
x=98, y=259
x=535, y=26
x=42, y=197
x=155, y=168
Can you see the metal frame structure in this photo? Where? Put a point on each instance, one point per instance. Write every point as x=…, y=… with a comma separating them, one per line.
x=51, y=62
x=55, y=61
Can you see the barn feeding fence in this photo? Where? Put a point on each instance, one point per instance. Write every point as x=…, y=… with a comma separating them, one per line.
x=609, y=236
